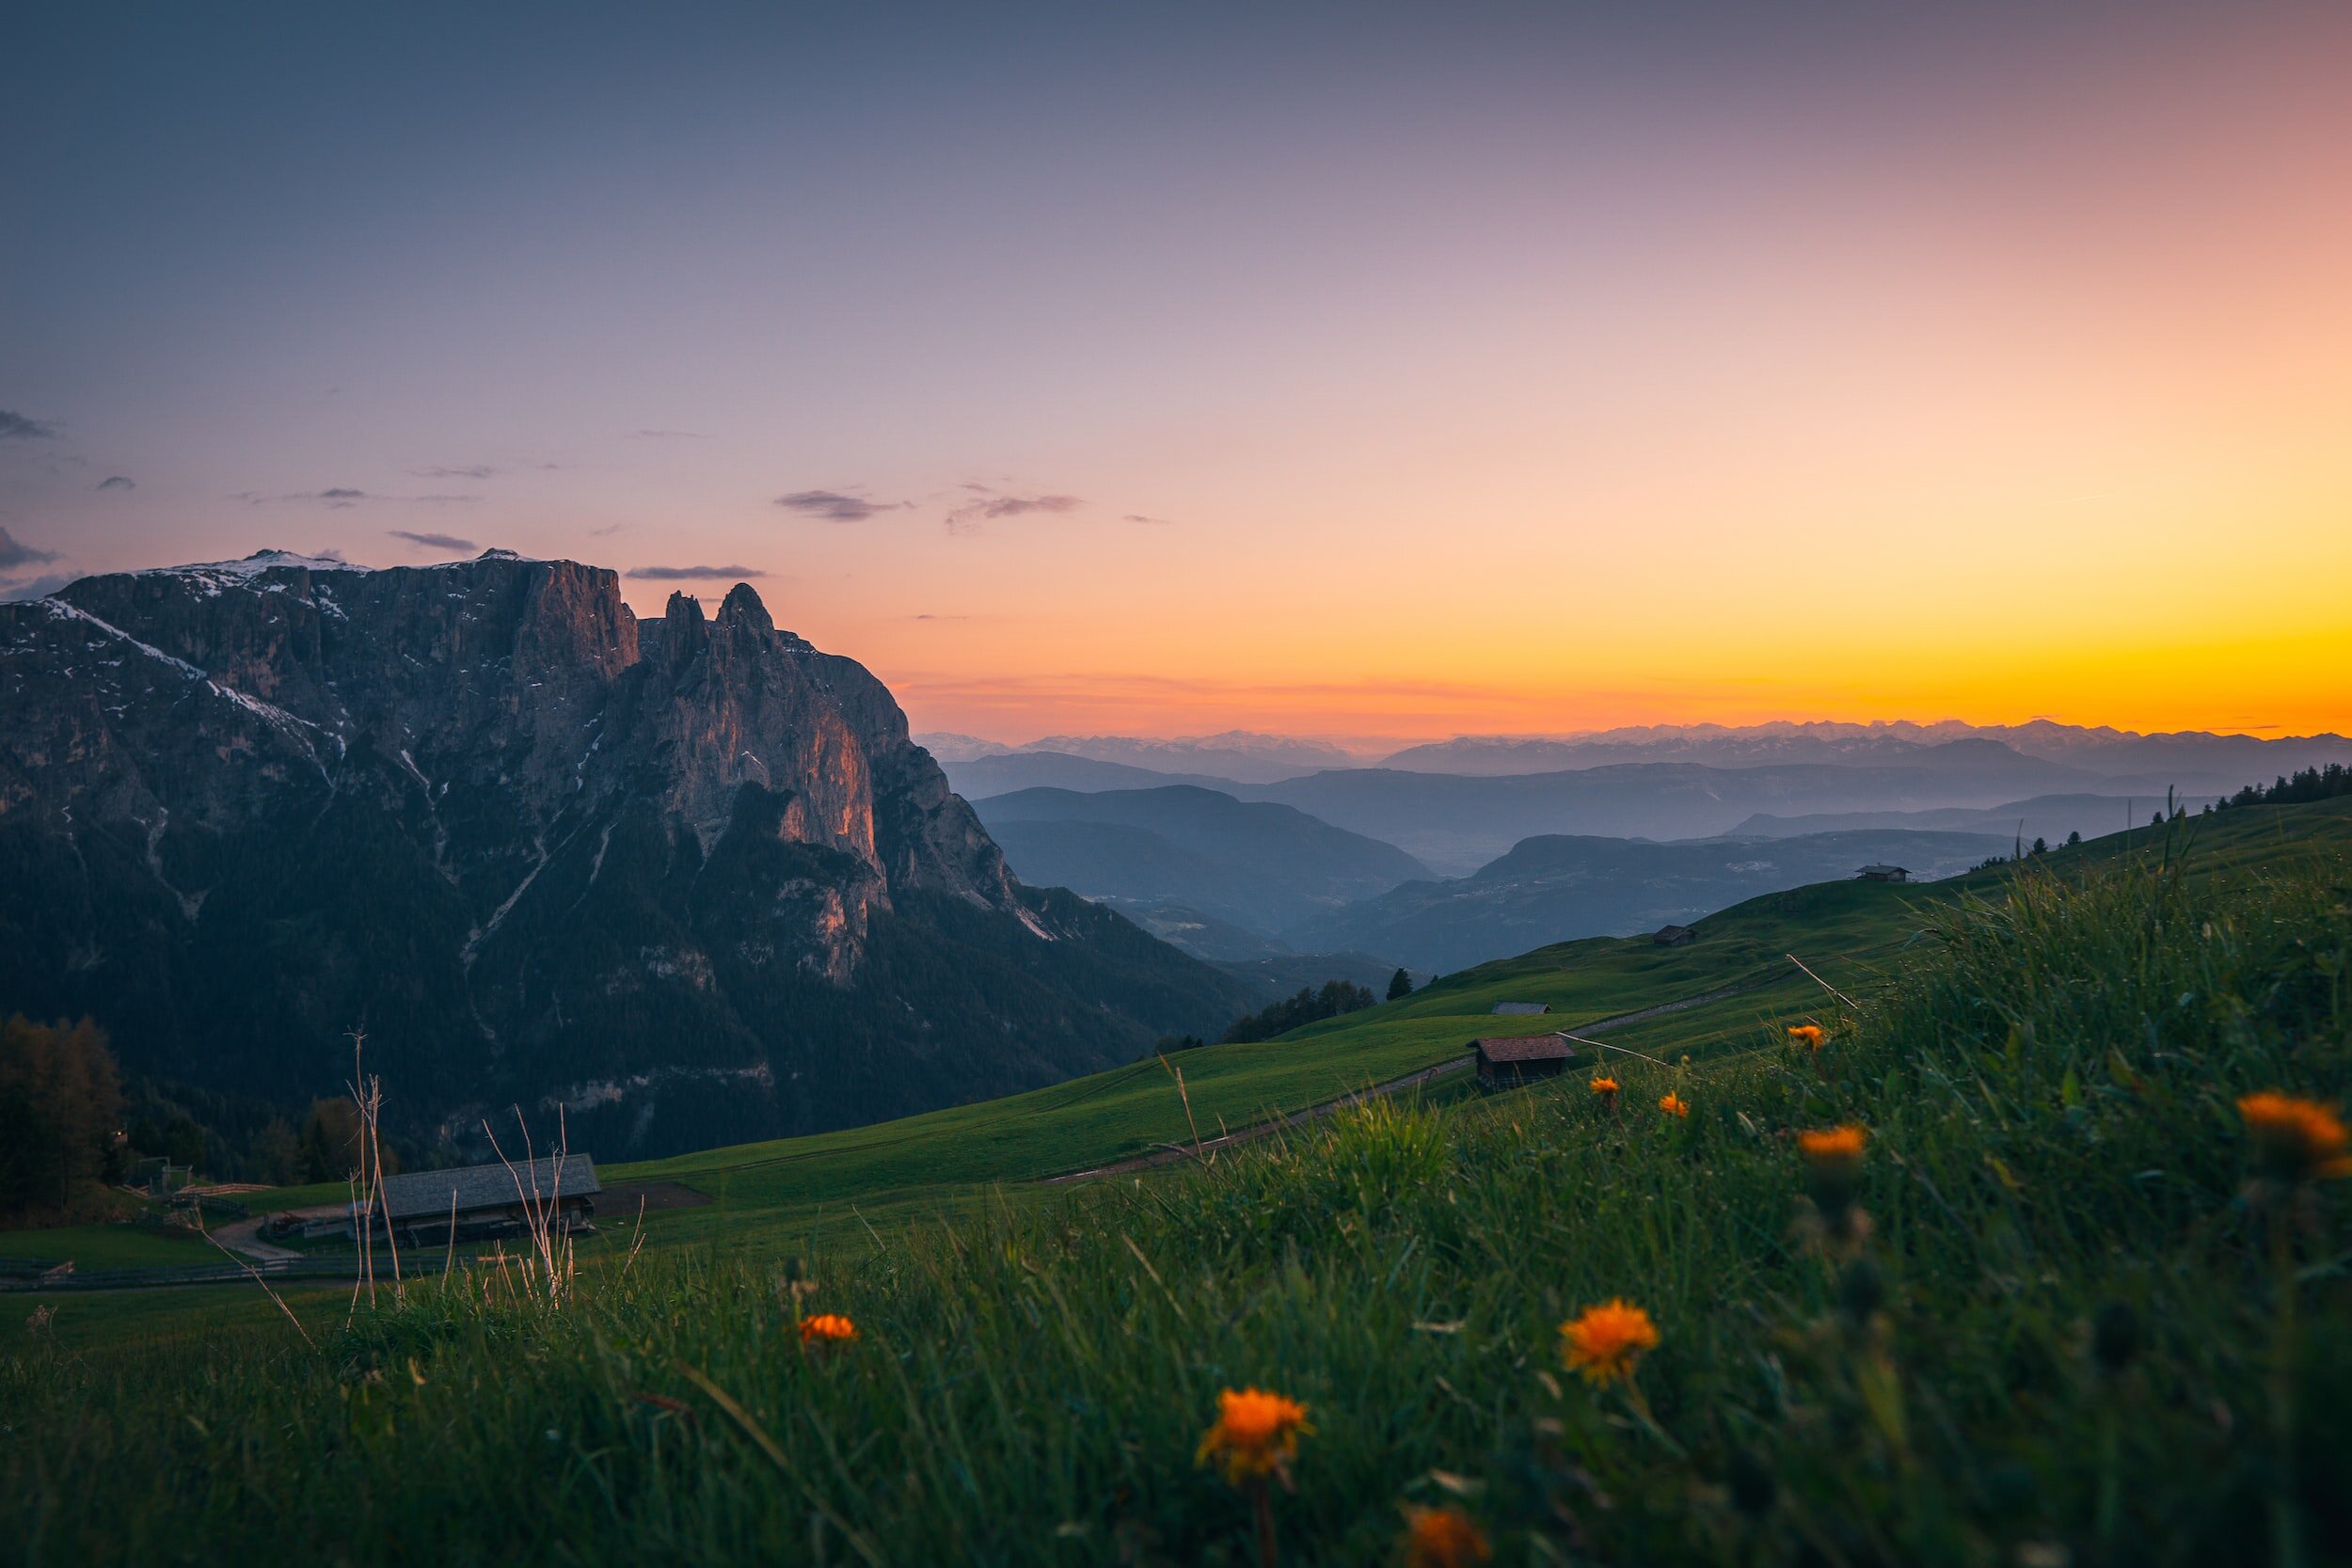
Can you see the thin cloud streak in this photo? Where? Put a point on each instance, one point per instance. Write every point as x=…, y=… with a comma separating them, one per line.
x=431, y=541
x=996, y=505
x=14, y=553
x=23, y=427
x=837, y=506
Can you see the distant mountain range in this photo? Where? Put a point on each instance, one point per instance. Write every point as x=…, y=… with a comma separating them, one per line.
x=1242, y=756
x=2190, y=760
x=1556, y=888
x=1460, y=803
x=1005, y=773
x=1457, y=824
x=1257, y=865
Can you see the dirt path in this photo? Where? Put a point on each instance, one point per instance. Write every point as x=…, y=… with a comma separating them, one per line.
x=1167, y=1154
x=244, y=1237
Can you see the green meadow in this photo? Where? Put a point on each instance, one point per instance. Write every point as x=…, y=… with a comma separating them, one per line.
x=2058, y=1314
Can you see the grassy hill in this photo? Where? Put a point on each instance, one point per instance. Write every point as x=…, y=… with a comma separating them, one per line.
x=2072, y=1330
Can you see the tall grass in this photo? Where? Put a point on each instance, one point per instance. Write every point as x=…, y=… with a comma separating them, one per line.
x=2056, y=1342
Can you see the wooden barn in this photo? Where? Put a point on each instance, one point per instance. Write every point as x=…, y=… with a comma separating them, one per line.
x=486, y=1201
x=1672, y=936
x=1521, y=1009
x=1510, y=1061
x=1885, y=874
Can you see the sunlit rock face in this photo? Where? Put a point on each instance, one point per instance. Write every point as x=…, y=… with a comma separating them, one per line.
x=527, y=843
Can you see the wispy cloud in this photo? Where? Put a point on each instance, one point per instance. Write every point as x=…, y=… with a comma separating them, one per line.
x=667, y=435
x=117, y=482
x=837, y=506
x=1154, y=522
x=991, y=504
x=477, y=470
x=344, y=497
x=607, y=531
x=431, y=541
x=15, y=553
x=13, y=589
x=691, y=573
x=23, y=427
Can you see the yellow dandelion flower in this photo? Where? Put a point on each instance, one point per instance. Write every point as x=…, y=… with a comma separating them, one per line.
x=827, y=1329
x=1443, y=1538
x=1605, y=1088
x=2295, y=1139
x=1808, y=1034
x=1674, y=1106
x=1604, y=1343
x=1256, y=1432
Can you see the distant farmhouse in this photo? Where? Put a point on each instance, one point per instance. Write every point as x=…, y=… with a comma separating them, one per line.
x=1522, y=1009
x=1885, y=874
x=481, y=1202
x=1672, y=936
x=1508, y=1062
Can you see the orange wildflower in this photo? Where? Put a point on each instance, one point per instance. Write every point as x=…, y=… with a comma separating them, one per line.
x=1808, y=1034
x=827, y=1329
x=1834, y=1148
x=1604, y=1343
x=1675, y=1106
x=1605, y=1088
x=1443, y=1538
x=1256, y=1433
x=2295, y=1139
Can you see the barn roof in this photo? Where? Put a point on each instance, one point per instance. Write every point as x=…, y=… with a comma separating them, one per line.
x=1522, y=1009
x=1525, y=1048
x=1882, y=869
x=421, y=1194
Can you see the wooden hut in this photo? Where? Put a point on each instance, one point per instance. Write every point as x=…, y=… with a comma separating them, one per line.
x=1521, y=1009
x=1882, y=873
x=1515, y=1059
x=484, y=1201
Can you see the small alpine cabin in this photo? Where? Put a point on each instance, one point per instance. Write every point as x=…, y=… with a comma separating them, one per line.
x=1885, y=874
x=1521, y=1009
x=486, y=1201
x=1512, y=1060
x=1672, y=936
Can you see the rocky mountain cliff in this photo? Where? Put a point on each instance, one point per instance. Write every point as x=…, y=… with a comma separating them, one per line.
x=688, y=879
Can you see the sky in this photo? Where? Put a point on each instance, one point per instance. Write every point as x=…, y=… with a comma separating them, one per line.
x=1338, y=369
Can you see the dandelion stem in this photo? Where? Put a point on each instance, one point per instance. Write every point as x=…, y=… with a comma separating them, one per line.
x=2286, y=1518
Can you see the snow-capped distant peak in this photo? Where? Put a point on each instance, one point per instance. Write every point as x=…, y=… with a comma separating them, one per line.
x=255, y=565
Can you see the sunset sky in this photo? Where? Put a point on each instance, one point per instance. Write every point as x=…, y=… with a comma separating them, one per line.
x=1330, y=368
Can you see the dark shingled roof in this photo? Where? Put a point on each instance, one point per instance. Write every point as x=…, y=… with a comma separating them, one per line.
x=1526, y=1047
x=1524, y=1009
x=422, y=1195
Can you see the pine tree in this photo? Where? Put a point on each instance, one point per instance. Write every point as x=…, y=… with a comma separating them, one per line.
x=1400, y=985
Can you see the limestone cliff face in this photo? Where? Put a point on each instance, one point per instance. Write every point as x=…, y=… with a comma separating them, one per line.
x=536, y=849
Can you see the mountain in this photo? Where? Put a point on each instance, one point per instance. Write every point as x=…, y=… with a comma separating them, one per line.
x=1457, y=824
x=1558, y=887
x=1259, y=865
x=1005, y=773
x=686, y=878
x=1243, y=756
x=2049, y=816
x=2190, y=761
